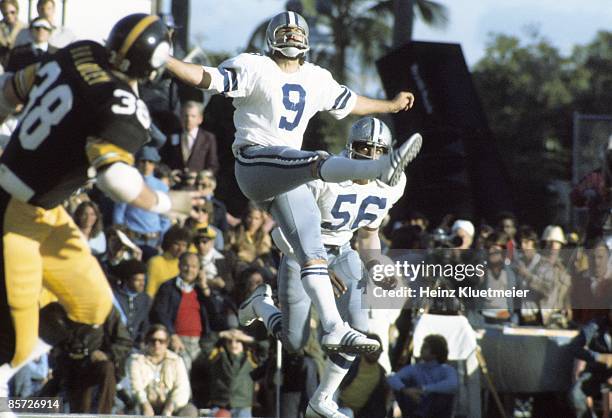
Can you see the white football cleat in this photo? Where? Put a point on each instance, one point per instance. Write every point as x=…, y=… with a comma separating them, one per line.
x=246, y=312
x=397, y=160
x=345, y=339
x=322, y=406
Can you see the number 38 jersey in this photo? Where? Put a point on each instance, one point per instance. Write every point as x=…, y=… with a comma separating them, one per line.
x=346, y=207
x=77, y=114
x=273, y=107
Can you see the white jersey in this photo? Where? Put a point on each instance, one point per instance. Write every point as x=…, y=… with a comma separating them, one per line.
x=346, y=207
x=273, y=107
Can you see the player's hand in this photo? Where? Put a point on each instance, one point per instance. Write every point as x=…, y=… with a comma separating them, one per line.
x=337, y=284
x=402, y=101
x=183, y=201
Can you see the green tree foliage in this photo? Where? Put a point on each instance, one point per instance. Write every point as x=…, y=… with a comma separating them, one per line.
x=592, y=81
x=529, y=91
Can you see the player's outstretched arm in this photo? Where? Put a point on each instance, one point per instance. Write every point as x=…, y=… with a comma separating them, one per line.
x=366, y=106
x=123, y=183
x=192, y=74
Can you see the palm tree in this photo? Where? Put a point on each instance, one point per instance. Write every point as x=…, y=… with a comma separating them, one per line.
x=431, y=12
x=363, y=26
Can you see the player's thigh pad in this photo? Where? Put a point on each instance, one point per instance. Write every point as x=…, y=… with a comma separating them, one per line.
x=295, y=305
x=298, y=216
x=265, y=172
x=349, y=268
x=73, y=274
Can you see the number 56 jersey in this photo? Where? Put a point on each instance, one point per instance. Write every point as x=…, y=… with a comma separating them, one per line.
x=77, y=114
x=346, y=207
x=273, y=107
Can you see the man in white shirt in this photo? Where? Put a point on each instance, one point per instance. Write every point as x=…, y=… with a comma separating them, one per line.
x=23, y=55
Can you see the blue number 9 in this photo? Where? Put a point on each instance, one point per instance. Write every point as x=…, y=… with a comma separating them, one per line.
x=297, y=107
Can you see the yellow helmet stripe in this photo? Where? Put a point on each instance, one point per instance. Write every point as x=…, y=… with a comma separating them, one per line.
x=135, y=33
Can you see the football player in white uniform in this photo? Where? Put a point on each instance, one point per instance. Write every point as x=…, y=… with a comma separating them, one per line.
x=275, y=96
x=346, y=207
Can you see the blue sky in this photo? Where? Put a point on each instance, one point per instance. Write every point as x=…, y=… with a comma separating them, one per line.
x=564, y=22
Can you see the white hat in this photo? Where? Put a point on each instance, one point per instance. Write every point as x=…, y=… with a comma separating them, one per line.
x=554, y=233
x=467, y=226
x=41, y=22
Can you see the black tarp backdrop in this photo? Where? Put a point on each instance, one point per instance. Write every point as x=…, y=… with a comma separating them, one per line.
x=459, y=169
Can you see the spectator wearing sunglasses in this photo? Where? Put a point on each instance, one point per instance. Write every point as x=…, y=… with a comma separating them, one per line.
x=158, y=378
x=23, y=55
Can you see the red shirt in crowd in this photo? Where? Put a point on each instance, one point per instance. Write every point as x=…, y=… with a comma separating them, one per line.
x=188, y=322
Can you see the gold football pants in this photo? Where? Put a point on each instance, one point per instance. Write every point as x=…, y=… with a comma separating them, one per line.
x=44, y=247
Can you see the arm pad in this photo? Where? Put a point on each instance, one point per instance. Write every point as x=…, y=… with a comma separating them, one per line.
x=121, y=182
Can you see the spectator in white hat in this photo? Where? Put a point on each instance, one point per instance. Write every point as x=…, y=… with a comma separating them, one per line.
x=555, y=279
x=464, y=230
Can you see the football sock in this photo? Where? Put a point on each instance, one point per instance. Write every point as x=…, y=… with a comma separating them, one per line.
x=336, y=367
x=338, y=169
x=318, y=287
x=271, y=316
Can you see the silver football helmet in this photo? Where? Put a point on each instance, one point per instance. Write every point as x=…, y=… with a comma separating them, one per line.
x=370, y=133
x=287, y=33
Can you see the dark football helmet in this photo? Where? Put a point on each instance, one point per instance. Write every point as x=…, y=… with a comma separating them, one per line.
x=139, y=45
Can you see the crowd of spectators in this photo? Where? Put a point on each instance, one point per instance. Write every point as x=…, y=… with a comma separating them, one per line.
x=172, y=344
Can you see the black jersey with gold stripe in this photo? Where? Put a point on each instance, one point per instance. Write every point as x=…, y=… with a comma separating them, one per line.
x=77, y=114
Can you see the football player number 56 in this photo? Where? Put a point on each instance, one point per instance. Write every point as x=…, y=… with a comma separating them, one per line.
x=293, y=100
x=52, y=108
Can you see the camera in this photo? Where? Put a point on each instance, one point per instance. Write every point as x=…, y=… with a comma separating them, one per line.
x=441, y=239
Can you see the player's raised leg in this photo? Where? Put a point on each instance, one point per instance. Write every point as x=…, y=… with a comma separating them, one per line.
x=265, y=172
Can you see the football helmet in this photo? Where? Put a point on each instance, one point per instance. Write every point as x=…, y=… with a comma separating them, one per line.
x=287, y=33
x=139, y=45
x=371, y=133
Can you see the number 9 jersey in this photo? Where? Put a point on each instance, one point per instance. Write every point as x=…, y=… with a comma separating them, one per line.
x=77, y=114
x=273, y=107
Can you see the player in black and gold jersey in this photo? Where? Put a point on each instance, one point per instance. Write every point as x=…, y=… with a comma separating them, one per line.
x=82, y=118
